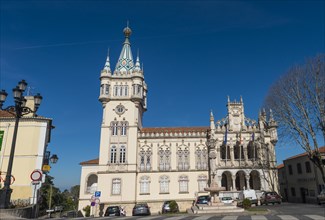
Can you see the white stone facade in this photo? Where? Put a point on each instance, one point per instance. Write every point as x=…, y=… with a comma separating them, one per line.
x=139, y=164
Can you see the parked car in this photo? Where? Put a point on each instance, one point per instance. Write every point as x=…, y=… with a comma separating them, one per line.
x=203, y=200
x=321, y=197
x=141, y=209
x=226, y=200
x=168, y=206
x=247, y=194
x=270, y=197
x=113, y=211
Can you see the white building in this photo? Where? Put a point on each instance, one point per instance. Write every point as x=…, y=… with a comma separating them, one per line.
x=139, y=164
x=299, y=179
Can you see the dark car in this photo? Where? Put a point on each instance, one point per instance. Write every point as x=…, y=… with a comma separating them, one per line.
x=270, y=197
x=170, y=206
x=113, y=211
x=203, y=200
x=141, y=209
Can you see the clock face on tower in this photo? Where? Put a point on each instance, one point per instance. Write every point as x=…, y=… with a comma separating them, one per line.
x=120, y=109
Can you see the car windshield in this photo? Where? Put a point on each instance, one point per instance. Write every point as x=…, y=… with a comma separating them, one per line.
x=226, y=198
x=112, y=209
x=203, y=197
x=140, y=205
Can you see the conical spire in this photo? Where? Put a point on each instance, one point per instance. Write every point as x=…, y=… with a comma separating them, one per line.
x=212, y=125
x=137, y=67
x=125, y=62
x=107, y=66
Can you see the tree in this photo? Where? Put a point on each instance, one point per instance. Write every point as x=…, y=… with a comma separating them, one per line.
x=298, y=102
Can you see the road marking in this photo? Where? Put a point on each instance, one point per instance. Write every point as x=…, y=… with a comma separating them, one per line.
x=176, y=217
x=230, y=217
x=315, y=217
x=258, y=217
x=151, y=217
x=287, y=217
x=204, y=217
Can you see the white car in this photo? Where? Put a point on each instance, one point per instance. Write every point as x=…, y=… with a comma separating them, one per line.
x=227, y=200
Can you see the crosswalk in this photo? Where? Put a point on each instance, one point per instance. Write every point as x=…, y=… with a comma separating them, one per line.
x=229, y=217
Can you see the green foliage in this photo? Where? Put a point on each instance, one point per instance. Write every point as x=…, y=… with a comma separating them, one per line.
x=48, y=192
x=173, y=206
x=87, y=210
x=247, y=203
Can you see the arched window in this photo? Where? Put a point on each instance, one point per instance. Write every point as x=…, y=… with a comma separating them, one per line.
x=116, y=88
x=201, y=158
x=164, y=159
x=106, y=89
x=114, y=127
x=183, y=184
x=148, y=155
x=122, y=154
x=164, y=184
x=125, y=90
x=92, y=183
x=124, y=126
x=183, y=159
x=202, y=182
x=116, y=186
x=113, y=154
x=144, y=185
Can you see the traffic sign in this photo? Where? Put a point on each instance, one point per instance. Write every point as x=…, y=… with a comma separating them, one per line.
x=92, y=203
x=97, y=201
x=36, y=175
x=97, y=194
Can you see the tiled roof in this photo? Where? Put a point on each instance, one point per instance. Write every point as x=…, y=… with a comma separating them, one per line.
x=5, y=114
x=280, y=166
x=321, y=150
x=90, y=162
x=174, y=129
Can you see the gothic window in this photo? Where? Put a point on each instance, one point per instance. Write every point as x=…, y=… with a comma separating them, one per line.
x=183, y=159
x=124, y=125
x=202, y=182
x=116, y=88
x=142, y=160
x=183, y=184
x=106, y=89
x=113, y=154
x=148, y=155
x=102, y=89
x=122, y=154
x=201, y=158
x=125, y=90
x=251, y=151
x=116, y=186
x=145, y=159
x=120, y=90
x=144, y=185
x=164, y=159
x=164, y=184
x=114, y=127
x=237, y=152
x=223, y=152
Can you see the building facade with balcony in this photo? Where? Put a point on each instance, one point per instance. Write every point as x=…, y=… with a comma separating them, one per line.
x=34, y=134
x=299, y=179
x=143, y=164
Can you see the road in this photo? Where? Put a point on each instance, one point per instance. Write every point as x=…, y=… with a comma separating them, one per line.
x=285, y=211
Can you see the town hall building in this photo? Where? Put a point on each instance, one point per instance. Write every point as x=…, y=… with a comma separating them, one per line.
x=154, y=164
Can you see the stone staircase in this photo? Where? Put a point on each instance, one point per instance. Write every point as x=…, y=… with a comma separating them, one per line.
x=214, y=208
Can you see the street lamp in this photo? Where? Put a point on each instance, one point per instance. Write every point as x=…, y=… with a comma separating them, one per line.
x=17, y=110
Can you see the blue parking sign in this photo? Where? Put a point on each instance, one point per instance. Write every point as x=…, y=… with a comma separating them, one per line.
x=97, y=194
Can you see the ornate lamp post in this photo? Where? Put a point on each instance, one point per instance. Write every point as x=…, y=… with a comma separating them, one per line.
x=17, y=110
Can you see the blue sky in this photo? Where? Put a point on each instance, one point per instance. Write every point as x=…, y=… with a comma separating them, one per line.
x=195, y=53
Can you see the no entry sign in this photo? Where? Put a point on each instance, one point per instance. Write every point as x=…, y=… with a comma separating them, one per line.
x=36, y=175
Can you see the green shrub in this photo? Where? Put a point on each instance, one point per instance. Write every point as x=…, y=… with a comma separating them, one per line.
x=173, y=206
x=246, y=203
x=87, y=210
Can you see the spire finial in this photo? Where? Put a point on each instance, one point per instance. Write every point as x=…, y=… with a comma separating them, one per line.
x=241, y=99
x=127, y=31
x=211, y=115
x=137, y=63
x=228, y=99
x=107, y=66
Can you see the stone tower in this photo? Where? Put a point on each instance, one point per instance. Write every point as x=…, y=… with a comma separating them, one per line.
x=123, y=95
